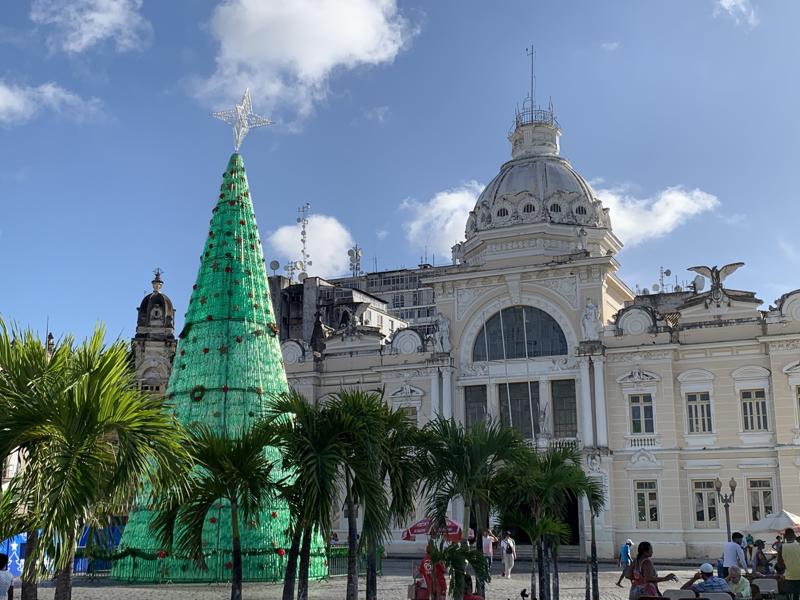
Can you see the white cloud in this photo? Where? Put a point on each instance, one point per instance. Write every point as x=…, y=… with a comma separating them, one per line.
x=742, y=11
x=285, y=52
x=381, y=234
x=609, y=46
x=19, y=104
x=789, y=250
x=328, y=242
x=378, y=114
x=80, y=24
x=439, y=223
x=636, y=220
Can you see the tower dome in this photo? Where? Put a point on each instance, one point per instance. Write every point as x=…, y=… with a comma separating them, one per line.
x=155, y=309
x=537, y=185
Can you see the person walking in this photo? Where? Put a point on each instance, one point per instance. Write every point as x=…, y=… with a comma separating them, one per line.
x=624, y=559
x=6, y=579
x=789, y=563
x=705, y=581
x=489, y=540
x=643, y=575
x=508, y=551
x=748, y=540
x=733, y=554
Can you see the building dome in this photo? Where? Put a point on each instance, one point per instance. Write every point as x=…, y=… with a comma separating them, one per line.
x=536, y=185
x=155, y=309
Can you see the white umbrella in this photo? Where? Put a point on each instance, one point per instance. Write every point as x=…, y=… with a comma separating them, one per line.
x=777, y=522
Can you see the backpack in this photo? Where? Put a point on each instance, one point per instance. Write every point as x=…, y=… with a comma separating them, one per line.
x=509, y=547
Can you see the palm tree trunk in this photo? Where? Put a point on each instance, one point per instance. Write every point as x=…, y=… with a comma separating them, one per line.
x=29, y=589
x=480, y=527
x=63, y=589
x=540, y=565
x=533, y=569
x=547, y=582
x=555, y=572
x=236, y=580
x=352, y=544
x=305, y=561
x=372, y=571
x=291, y=565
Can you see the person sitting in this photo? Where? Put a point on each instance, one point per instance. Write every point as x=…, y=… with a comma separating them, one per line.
x=761, y=562
x=705, y=581
x=738, y=584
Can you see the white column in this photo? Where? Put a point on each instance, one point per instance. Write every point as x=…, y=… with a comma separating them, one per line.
x=447, y=393
x=434, y=393
x=587, y=429
x=600, y=401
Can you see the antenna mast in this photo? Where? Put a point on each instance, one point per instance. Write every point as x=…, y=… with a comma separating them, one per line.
x=532, y=53
x=301, y=266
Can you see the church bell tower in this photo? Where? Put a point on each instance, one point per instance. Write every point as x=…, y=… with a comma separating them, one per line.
x=154, y=343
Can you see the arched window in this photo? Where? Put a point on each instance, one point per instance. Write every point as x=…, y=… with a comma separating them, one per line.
x=555, y=208
x=503, y=212
x=528, y=208
x=519, y=332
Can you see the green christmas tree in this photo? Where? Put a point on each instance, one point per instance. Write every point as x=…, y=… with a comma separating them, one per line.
x=228, y=364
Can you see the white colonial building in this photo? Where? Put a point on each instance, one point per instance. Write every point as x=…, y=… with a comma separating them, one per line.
x=531, y=325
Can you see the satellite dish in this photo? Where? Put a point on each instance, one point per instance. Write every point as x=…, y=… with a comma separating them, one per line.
x=667, y=272
x=699, y=282
x=656, y=287
x=274, y=265
x=302, y=276
x=350, y=252
x=298, y=265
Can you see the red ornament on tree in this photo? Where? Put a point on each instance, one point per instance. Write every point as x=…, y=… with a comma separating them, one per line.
x=224, y=388
x=281, y=552
x=209, y=318
x=161, y=554
x=205, y=350
x=274, y=515
x=212, y=520
x=229, y=565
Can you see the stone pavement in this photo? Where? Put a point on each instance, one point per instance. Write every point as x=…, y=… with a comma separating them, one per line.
x=391, y=586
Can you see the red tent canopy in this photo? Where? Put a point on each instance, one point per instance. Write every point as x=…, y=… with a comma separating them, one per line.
x=426, y=526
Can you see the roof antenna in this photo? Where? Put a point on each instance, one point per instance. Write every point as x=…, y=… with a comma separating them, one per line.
x=532, y=53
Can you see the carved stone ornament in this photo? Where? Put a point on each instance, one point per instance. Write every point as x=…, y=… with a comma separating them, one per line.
x=784, y=346
x=638, y=375
x=644, y=459
x=590, y=321
x=406, y=341
x=293, y=352
x=475, y=370
x=407, y=391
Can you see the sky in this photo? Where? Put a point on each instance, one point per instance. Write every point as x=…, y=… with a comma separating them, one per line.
x=390, y=117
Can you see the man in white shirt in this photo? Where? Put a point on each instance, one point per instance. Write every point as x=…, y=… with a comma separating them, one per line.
x=733, y=554
x=489, y=539
x=6, y=579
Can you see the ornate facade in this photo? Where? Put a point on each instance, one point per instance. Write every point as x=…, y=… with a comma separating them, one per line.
x=154, y=344
x=531, y=325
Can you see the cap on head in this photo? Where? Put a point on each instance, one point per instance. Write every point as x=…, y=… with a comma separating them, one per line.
x=629, y=542
x=707, y=568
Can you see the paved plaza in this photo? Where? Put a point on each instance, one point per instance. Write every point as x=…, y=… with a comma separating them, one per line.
x=391, y=586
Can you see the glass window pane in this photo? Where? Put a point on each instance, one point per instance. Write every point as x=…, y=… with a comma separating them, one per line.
x=565, y=411
x=515, y=407
x=528, y=331
x=474, y=404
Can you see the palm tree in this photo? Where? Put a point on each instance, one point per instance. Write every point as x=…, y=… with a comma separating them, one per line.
x=534, y=492
x=463, y=463
x=235, y=469
x=87, y=435
x=401, y=469
x=311, y=441
x=360, y=416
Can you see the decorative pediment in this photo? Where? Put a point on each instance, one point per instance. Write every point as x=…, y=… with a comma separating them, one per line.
x=750, y=372
x=407, y=391
x=792, y=368
x=635, y=321
x=696, y=376
x=643, y=459
x=638, y=375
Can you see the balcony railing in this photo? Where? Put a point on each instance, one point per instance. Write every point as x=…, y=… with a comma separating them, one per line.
x=647, y=440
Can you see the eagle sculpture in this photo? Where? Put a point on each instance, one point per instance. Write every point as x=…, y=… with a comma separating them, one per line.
x=717, y=276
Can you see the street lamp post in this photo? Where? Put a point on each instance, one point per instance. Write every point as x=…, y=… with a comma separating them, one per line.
x=726, y=500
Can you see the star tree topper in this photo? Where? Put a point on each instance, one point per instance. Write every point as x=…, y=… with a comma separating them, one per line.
x=242, y=118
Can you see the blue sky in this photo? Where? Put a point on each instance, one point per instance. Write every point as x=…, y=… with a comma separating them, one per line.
x=390, y=117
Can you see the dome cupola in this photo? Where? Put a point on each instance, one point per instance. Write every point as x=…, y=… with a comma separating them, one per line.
x=537, y=185
x=156, y=309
